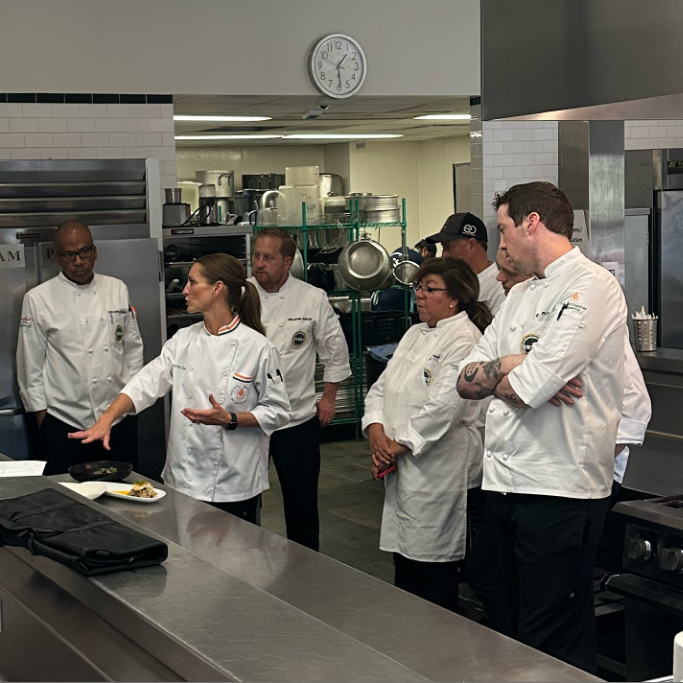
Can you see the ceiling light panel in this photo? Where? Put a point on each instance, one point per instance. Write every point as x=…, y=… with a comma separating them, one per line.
x=227, y=137
x=341, y=136
x=183, y=117
x=444, y=117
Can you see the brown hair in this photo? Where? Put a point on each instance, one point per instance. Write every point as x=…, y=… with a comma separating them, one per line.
x=548, y=201
x=461, y=284
x=241, y=295
x=287, y=243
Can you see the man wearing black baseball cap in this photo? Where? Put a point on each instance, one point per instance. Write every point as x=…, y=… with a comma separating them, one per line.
x=464, y=236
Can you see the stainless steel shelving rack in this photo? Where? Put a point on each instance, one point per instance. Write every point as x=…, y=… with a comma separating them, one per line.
x=356, y=353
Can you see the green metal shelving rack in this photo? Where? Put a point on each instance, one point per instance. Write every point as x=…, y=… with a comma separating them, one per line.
x=354, y=228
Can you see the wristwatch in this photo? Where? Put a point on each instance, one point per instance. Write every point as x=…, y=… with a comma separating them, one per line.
x=233, y=422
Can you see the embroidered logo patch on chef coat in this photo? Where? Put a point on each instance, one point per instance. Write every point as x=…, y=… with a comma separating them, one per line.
x=239, y=394
x=427, y=376
x=118, y=333
x=528, y=340
x=298, y=339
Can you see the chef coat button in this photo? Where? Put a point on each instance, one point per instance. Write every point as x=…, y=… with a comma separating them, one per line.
x=189, y=450
x=189, y=395
x=506, y=412
x=225, y=373
x=281, y=325
x=522, y=326
x=546, y=285
x=89, y=350
x=191, y=367
x=94, y=381
x=488, y=454
x=492, y=409
x=188, y=477
x=513, y=328
x=109, y=379
x=505, y=456
x=532, y=287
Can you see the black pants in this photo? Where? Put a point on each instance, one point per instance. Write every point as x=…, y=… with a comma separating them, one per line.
x=61, y=452
x=296, y=454
x=438, y=581
x=244, y=509
x=433, y=581
x=547, y=546
x=485, y=575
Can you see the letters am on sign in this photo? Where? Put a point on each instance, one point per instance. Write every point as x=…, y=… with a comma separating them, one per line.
x=12, y=256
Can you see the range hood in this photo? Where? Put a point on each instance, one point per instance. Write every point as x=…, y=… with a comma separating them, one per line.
x=581, y=59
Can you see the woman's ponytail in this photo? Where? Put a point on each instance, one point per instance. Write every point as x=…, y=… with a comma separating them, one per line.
x=479, y=313
x=249, y=308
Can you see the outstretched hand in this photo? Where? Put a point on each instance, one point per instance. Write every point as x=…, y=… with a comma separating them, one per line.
x=98, y=432
x=216, y=415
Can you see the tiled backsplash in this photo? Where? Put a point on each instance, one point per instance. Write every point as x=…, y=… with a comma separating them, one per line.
x=90, y=131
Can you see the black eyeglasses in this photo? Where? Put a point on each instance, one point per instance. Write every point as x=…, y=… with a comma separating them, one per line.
x=84, y=253
x=417, y=286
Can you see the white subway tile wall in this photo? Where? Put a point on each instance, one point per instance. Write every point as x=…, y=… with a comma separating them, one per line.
x=90, y=131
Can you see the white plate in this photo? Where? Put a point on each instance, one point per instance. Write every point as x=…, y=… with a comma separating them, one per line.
x=114, y=488
x=89, y=489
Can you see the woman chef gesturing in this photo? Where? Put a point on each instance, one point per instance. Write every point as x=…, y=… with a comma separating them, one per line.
x=416, y=420
x=228, y=392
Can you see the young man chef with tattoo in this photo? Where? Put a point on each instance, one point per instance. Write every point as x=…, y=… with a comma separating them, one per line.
x=553, y=360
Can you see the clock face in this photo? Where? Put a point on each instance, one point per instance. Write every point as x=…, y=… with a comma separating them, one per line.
x=337, y=66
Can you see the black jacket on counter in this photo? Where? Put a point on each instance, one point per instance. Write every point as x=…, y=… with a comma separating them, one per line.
x=52, y=524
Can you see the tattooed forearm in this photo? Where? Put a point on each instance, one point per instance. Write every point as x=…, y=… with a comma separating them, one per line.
x=470, y=372
x=478, y=380
x=512, y=398
x=493, y=369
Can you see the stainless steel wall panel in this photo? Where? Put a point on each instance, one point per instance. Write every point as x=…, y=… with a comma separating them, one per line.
x=72, y=171
x=74, y=189
x=670, y=280
x=54, y=218
x=75, y=203
x=591, y=173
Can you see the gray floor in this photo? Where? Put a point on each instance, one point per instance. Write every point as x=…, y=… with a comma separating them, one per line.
x=350, y=504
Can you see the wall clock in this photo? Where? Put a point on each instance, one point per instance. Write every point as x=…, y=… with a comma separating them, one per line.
x=337, y=66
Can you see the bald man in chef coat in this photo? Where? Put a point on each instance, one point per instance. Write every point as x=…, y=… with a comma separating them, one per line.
x=78, y=345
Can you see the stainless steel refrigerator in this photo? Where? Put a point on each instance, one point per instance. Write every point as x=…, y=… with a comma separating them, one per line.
x=121, y=202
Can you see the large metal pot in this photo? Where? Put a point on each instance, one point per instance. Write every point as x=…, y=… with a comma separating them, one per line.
x=223, y=180
x=297, y=268
x=404, y=272
x=331, y=185
x=365, y=265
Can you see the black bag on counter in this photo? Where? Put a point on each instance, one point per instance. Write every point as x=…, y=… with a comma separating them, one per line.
x=52, y=524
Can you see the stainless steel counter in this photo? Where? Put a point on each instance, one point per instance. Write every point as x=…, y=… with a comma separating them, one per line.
x=656, y=467
x=662, y=360
x=236, y=602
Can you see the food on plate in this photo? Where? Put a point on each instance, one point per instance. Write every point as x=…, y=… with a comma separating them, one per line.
x=142, y=489
x=106, y=470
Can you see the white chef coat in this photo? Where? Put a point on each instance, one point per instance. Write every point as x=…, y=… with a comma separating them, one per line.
x=241, y=368
x=300, y=322
x=636, y=411
x=425, y=502
x=572, y=322
x=490, y=290
x=78, y=346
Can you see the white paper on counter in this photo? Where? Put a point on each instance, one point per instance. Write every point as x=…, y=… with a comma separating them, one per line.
x=22, y=468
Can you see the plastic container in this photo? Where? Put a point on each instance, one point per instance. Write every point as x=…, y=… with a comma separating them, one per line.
x=645, y=333
x=302, y=175
x=292, y=198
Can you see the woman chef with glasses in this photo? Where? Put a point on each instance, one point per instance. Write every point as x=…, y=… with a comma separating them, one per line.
x=418, y=424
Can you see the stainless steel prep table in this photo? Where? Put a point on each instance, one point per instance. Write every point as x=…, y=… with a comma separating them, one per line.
x=236, y=602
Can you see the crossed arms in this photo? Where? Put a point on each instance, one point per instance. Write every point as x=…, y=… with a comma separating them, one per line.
x=491, y=378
